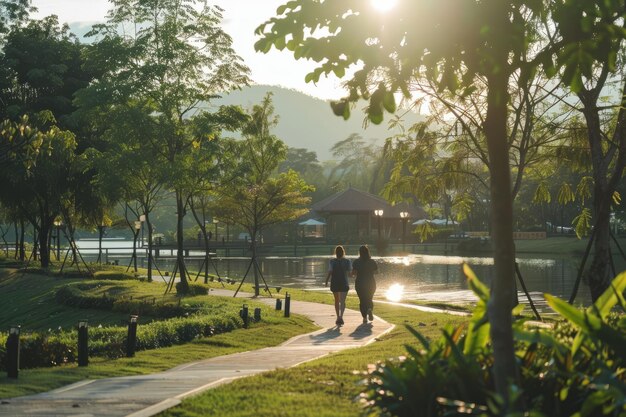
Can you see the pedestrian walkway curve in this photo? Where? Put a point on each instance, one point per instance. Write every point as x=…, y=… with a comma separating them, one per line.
x=147, y=395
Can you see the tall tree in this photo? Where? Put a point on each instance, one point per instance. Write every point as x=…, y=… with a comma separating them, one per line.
x=42, y=64
x=40, y=191
x=593, y=63
x=172, y=57
x=452, y=44
x=12, y=12
x=254, y=195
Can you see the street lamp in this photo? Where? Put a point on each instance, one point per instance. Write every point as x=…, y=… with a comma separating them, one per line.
x=142, y=219
x=137, y=229
x=58, y=223
x=215, y=222
x=404, y=215
x=379, y=214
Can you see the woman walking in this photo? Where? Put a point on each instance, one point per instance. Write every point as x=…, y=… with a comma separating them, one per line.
x=364, y=269
x=338, y=274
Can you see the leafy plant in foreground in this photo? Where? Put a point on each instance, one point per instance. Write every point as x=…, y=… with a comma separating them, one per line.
x=574, y=369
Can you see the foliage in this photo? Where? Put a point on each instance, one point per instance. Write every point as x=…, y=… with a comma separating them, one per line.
x=171, y=59
x=255, y=196
x=82, y=295
x=573, y=370
x=59, y=347
x=43, y=65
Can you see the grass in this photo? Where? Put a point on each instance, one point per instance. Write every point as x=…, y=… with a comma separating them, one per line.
x=268, y=332
x=324, y=387
x=28, y=299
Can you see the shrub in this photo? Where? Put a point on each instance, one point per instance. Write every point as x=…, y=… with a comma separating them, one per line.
x=114, y=275
x=577, y=369
x=193, y=288
x=75, y=296
x=55, y=348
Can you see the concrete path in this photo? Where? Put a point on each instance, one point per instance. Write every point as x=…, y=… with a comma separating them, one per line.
x=147, y=395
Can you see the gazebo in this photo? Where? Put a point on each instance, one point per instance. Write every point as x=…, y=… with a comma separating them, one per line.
x=312, y=229
x=354, y=215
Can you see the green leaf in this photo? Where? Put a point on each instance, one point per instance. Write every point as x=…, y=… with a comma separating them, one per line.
x=389, y=102
x=609, y=298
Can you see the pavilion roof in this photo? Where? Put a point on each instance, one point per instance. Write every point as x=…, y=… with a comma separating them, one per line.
x=352, y=200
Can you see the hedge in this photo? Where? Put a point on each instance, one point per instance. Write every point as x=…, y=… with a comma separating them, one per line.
x=55, y=348
x=76, y=295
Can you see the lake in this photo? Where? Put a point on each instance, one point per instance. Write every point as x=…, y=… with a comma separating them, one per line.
x=413, y=277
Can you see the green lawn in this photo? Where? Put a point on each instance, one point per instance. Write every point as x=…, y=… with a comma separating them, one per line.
x=324, y=387
x=28, y=299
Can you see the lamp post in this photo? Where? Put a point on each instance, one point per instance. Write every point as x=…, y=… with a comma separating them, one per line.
x=379, y=214
x=215, y=222
x=137, y=229
x=142, y=219
x=57, y=224
x=404, y=215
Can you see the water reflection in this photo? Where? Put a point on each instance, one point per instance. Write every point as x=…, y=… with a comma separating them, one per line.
x=395, y=292
x=421, y=277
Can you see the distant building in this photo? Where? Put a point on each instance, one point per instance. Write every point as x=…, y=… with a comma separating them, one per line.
x=350, y=217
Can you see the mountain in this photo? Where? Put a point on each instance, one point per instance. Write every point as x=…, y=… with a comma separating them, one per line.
x=308, y=122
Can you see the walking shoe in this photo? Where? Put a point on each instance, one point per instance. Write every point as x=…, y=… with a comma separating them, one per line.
x=340, y=320
x=370, y=315
x=337, y=322
x=364, y=320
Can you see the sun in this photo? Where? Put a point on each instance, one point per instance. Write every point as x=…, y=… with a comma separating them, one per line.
x=383, y=5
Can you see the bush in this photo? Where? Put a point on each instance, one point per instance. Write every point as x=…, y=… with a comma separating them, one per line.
x=74, y=295
x=55, y=348
x=114, y=275
x=577, y=369
x=77, y=295
x=193, y=288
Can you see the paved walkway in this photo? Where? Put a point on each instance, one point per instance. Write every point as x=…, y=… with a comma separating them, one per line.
x=147, y=395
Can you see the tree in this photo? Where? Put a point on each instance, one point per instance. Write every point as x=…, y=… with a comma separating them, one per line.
x=42, y=68
x=39, y=190
x=489, y=40
x=12, y=12
x=253, y=194
x=592, y=64
x=357, y=163
x=172, y=58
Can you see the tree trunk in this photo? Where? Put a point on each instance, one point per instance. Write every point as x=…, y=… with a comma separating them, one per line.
x=599, y=272
x=35, y=243
x=149, y=226
x=207, y=249
x=180, y=246
x=100, y=235
x=255, y=266
x=134, y=258
x=17, y=243
x=503, y=285
x=44, y=239
x=22, y=249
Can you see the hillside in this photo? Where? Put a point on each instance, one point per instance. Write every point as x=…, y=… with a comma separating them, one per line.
x=308, y=122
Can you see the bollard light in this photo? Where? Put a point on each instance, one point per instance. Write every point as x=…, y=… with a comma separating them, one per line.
x=244, y=315
x=257, y=314
x=279, y=304
x=287, y=304
x=13, y=352
x=131, y=340
x=83, y=343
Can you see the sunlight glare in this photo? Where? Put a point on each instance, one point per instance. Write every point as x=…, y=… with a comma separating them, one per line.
x=395, y=292
x=383, y=5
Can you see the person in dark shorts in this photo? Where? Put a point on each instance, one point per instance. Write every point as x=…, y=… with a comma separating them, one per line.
x=364, y=269
x=338, y=271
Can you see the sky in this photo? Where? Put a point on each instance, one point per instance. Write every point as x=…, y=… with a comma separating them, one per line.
x=241, y=18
